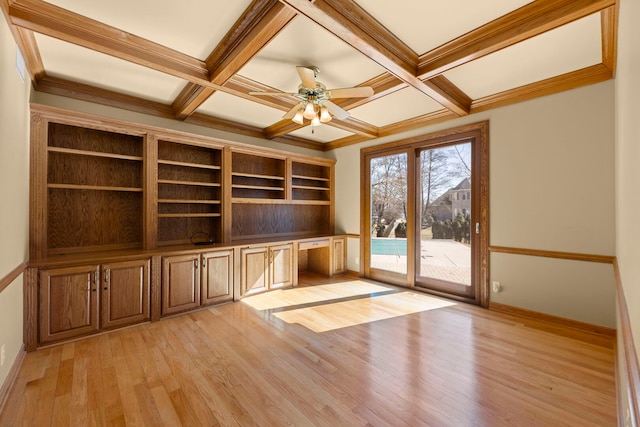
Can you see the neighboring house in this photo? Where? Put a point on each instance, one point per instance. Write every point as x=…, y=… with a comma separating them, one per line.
x=460, y=197
x=453, y=201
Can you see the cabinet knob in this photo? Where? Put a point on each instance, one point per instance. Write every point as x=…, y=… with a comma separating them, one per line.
x=105, y=288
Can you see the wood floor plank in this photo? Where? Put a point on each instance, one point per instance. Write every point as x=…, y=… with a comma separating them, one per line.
x=341, y=352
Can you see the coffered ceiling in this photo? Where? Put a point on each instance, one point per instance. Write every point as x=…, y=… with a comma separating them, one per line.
x=426, y=60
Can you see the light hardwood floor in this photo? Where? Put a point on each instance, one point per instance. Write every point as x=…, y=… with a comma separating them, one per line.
x=341, y=353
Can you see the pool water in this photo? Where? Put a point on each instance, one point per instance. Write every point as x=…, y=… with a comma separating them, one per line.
x=389, y=246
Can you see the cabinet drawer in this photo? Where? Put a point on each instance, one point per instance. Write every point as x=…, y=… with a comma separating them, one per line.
x=322, y=243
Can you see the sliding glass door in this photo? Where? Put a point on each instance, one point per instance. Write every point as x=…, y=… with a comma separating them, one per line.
x=425, y=213
x=388, y=189
x=445, y=214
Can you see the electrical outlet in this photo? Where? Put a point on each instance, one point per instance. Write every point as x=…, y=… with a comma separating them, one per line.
x=2, y=355
x=497, y=287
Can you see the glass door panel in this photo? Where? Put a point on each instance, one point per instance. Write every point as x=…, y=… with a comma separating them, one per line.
x=388, y=195
x=444, y=254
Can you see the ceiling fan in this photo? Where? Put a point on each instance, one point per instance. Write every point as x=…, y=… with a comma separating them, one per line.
x=315, y=104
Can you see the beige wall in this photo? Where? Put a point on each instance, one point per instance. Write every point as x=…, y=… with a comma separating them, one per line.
x=627, y=159
x=551, y=187
x=14, y=193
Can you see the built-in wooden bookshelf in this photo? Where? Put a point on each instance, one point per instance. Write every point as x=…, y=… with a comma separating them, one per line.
x=311, y=183
x=116, y=206
x=94, y=179
x=100, y=184
x=189, y=193
x=257, y=177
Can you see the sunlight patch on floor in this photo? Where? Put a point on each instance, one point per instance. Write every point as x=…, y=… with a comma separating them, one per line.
x=312, y=294
x=330, y=316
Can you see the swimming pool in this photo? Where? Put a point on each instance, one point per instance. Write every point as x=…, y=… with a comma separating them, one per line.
x=383, y=246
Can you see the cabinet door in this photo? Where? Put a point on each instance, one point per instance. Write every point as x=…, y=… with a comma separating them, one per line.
x=217, y=277
x=125, y=293
x=254, y=270
x=281, y=266
x=68, y=302
x=180, y=283
x=339, y=255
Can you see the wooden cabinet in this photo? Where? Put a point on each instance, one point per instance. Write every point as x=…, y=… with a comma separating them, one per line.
x=280, y=266
x=76, y=301
x=68, y=302
x=254, y=270
x=266, y=267
x=217, y=277
x=125, y=293
x=189, y=281
x=339, y=256
x=180, y=283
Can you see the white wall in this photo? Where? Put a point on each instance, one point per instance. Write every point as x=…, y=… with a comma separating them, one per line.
x=552, y=184
x=628, y=159
x=14, y=193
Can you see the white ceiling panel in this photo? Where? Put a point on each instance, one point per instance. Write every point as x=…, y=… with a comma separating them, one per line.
x=565, y=49
x=90, y=67
x=401, y=105
x=322, y=133
x=240, y=110
x=193, y=27
x=426, y=24
x=304, y=43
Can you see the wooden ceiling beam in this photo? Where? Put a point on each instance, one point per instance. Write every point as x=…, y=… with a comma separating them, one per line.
x=352, y=24
x=382, y=85
x=572, y=80
x=609, y=25
x=53, y=21
x=528, y=21
x=27, y=44
x=259, y=23
x=241, y=87
x=351, y=124
x=84, y=92
x=280, y=128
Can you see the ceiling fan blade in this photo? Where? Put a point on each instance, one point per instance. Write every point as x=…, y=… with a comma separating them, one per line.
x=292, y=112
x=352, y=92
x=338, y=112
x=272, y=93
x=308, y=77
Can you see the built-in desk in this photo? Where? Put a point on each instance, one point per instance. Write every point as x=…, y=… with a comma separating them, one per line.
x=326, y=255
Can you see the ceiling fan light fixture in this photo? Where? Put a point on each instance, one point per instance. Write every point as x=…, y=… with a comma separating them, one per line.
x=299, y=118
x=325, y=117
x=315, y=121
x=309, y=111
